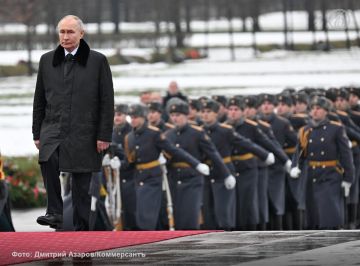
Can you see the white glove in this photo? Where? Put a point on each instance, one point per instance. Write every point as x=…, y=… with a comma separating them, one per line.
x=230, y=182
x=115, y=163
x=295, y=172
x=106, y=160
x=162, y=159
x=203, y=169
x=350, y=144
x=288, y=166
x=270, y=159
x=346, y=186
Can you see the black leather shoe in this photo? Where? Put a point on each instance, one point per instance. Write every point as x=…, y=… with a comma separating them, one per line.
x=53, y=220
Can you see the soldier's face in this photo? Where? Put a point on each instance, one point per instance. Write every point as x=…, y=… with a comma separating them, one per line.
x=300, y=107
x=178, y=119
x=317, y=113
x=208, y=116
x=119, y=118
x=250, y=112
x=267, y=108
x=283, y=108
x=192, y=113
x=353, y=99
x=154, y=117
x=69, y=33
x=341, y=104
x=234, y=113
x=137, y=121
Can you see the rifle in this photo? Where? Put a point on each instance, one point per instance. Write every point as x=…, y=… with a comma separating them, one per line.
x=110, y=198
x=115, y=165
x=169, y=206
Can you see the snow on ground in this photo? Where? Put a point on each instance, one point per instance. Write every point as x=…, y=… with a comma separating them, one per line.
x=270, y=72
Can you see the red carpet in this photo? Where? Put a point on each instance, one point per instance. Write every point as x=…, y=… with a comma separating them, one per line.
x=22, y=247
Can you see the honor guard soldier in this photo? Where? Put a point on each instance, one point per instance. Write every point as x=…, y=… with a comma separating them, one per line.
x=250, y=112
x=194, y=109
x=246, y=166
x=143, y=146
x=353, y=131
x=222, y=114
x=285, y=135
x=127, y=185
x=154, y=117
x=324, y=147
x=6, y=224
x=219, y=203
x=186, y=184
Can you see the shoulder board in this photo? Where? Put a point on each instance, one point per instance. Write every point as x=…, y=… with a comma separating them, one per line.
x=283, y=118
x=169, y=125
x=196, y=127
x=153, y=128
x=355, y=112
x=300, y=115
x=251, y=122
x=226, y=125
x=192, y=122
x=336, y=123
x=342, y=113
x=264, y=123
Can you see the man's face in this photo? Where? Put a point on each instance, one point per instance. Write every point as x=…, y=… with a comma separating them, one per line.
x=300, y=107
x=267, y=108
x=234, y=113
x=341, y=104
x=69, y=33
x=137, y=121
x=353, y=99
x=250, y=112
x=173, y=88
x=154, y=117
x=208, y=116
x=283, y=108
x=192, y=113
x=317, y=113
x=119, y=119
x=178, y=119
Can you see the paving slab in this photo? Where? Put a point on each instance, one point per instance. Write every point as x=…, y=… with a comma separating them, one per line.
x=236, y=248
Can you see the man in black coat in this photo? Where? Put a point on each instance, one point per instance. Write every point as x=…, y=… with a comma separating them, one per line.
x=72, y=119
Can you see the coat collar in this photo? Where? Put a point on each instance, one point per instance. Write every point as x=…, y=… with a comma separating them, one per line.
x=81, y=55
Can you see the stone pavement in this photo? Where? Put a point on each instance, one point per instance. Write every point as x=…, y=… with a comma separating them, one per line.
x=237, y=248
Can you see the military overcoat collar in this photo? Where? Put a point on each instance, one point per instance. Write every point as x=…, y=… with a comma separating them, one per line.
x=81, y=55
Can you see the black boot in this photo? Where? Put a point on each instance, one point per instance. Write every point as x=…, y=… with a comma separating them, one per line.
x=352, y=212
x=278, y=225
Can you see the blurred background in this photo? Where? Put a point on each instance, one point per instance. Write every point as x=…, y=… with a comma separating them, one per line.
x=209, y=47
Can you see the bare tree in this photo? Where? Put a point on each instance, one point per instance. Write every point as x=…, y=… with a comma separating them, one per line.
x=26, y=12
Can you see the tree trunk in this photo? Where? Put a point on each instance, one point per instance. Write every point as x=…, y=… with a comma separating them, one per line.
x=310, y=8
x=231, y=31
x=29, y=32
x=115, y=15
x=188, y=15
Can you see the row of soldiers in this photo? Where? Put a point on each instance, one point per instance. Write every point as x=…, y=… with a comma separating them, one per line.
x=254, y=162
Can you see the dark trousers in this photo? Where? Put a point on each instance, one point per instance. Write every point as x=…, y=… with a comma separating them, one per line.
x=81, y=199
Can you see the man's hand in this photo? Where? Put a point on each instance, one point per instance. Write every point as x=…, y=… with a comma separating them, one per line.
x=102, y=145
x=37, y=143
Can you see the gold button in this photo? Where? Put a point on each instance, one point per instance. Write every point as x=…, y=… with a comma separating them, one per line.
x=137, y=147
x=322, y=152
x=212, y=181
x=322, y=139
x=314, y=180
x=312, y=154
x=177, y=145
x=141, y=183
x=179, y=182
x=324, y=127
x=323, y=166
x=310, y=140
x=124, y=180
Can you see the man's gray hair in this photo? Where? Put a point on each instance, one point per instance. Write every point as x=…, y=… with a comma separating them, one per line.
x=79, y=21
